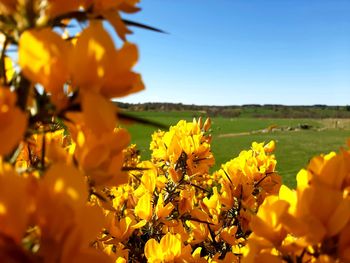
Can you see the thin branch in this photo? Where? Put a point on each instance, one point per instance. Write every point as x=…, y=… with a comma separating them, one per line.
x=128, y=117
x=143, y=26
x=43, y=151
x=2, y=62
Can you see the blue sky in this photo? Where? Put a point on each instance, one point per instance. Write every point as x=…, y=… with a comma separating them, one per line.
x=233, y=52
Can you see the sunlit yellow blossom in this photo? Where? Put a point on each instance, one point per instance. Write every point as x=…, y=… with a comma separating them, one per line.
x=9, y=68
x=57, y=7
x=148, y=180
x=228, y=235
x=96, y=64
x=99, y=145
x=184, y=149
x=56, y=144
x=186, y=203
x=15, y=204
x=89, y=58
x=117, y=252
x=144, y=209
x=61, y=206
x=119, y=79
x=267, y=222
x=99, y=115
x=170, y=249
x=331, y=169
x=108, y=9
x=213, y=203
x=163, y=210
x=121, y=229
x=12, y=121
x=43, y=58
x=198, y=232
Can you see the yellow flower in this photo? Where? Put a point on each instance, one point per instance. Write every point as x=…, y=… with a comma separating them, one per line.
x=55, y=149
x=12, y=121
x=99, y=145
x=109, y=10
x=267, y=222
x=120, y=229
x=187, y=199
x=169, y=249
x=213, y=203
x=329, y=220
x=117, y=252
x=196, y=254
x=228, y=235
x=184, y=149
x=43, y=57
x=162, y=210
x=61, y=215
x=9, y=68
x=144, y=209
x=97, y=65
x=90, y=57
x=99, y=114
x=148, y=180
x=16, y=203
x=331, y=169
x=120, y=80
x=198, y=232
x=102, y=157
x=57, y=7
x=66, y=182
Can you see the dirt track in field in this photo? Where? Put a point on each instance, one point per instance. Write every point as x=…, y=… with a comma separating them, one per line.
x=342, y=124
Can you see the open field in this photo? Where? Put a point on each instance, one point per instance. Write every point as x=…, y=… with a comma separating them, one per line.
x=295, y=146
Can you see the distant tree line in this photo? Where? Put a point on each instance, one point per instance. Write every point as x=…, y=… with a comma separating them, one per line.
x=247, y=110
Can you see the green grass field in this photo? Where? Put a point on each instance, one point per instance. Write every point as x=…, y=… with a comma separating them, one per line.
x=230, y=136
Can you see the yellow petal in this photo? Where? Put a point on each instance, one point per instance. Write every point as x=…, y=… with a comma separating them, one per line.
x=68, y=182
x=139, y=224
x=270, y=147
x=118, y=24
x=161, y=210
x=339, y=218
x=15, y=201
x=172, y=245
x=92, y=227
x=143, y=208
x=99, y=113
x=10, y=69
x=153, y=250
x=57, y=7
x=90, y=56
x=12, y=122
x=43, y=58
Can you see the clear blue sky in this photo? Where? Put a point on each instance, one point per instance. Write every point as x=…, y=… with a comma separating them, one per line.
x=233, y=52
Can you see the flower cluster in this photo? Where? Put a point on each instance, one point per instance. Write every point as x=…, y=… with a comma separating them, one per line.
x=61, y=144
x=174, y=209
x=309, y=224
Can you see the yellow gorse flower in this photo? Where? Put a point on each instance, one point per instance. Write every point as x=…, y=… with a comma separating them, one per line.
x=169, y=249
x=313, y=218
x=12, y=121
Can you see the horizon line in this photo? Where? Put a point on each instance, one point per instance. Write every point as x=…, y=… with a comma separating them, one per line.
x=236, y=105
